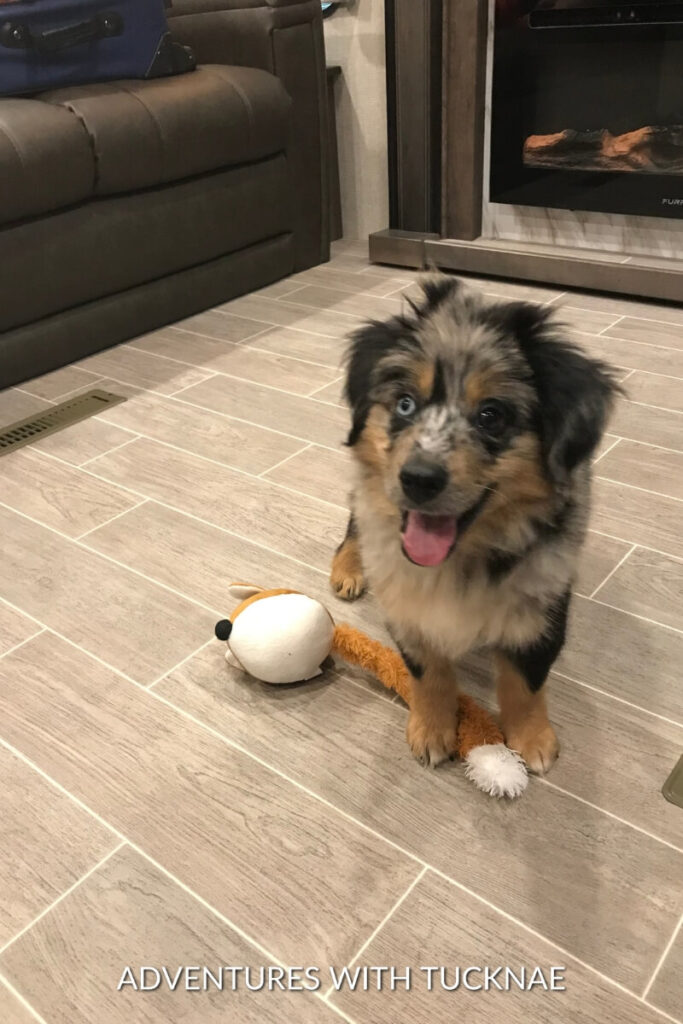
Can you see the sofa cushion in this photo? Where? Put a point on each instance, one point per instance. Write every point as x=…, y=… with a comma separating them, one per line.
x=46, y=160
x=150, y=133
x=116, y=243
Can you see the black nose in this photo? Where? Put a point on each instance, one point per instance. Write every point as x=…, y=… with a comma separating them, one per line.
x=223, y=629
x=422, y=481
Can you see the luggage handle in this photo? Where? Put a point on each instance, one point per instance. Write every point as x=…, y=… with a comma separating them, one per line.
x=18, y=36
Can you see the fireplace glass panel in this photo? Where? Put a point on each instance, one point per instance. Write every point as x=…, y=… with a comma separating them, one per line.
x=587, y=105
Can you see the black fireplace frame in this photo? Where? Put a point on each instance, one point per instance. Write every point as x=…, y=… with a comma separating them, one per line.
x=517, y=49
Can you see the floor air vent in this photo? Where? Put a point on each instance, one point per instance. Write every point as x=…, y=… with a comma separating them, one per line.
x=57, y=418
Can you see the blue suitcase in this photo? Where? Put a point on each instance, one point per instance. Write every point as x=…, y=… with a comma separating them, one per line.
x=46, y=44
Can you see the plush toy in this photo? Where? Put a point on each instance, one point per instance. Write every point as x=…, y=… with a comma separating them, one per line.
x=282, y=636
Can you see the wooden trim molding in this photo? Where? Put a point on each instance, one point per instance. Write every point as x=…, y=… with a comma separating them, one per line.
x=464, y=94
x=414, y=60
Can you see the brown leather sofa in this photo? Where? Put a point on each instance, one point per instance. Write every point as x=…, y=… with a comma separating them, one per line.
x=128, y=205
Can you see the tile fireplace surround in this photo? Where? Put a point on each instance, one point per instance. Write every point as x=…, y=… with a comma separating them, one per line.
x=441, y=149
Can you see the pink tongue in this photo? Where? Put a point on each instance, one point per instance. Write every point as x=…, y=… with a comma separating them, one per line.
x=427, y=540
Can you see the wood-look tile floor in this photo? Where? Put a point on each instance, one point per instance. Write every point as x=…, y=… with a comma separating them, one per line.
x=158, y=809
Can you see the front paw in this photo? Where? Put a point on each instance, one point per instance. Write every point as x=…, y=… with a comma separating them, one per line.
x=538, y=747
x=432, y=741
x=349, y=586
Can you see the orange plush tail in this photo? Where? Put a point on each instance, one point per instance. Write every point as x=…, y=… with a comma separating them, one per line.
x=475, y=728
x=386, y=665
x=488, y=763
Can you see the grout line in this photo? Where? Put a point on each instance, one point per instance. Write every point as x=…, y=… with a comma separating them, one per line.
x=29, y=394
x=333, y=405
x=246, y=937
x=554, y=299
x=337, y=810
x=81, y=387
x=282, y=462
x=208, y=375
x=21, y=999
x=125, y=841
x=551, y=942
x=109, y=558
x=279, y=298
x=301, y=309
x=645, y=547
x=336, y=1009
x=629, y=341
x=173, y=508
x=613, y=445
x=635, y=487
x=108, y=522
x=298, y=307
x=418, y=878
x=609, y=576
x=306, y=565
x=198, y=519
x=15, y=647
x=635, y=614
x=183, y=661
x=610, y=814
x=628, y=316
x=63, y=896
x=227, y=342
x=656, y=373
x=259, y=760
x=266, y=328
x=629, y=374
x=247, y=345
x=205, y=409
x=243, y=380
x=99, y=456
x=620, y=700
x=660, y=963
x=317, y=391
x=649, y=444
x=346, y=677
x=545, y=781
x=221, y=465
x=609, y=327
x=649, y=405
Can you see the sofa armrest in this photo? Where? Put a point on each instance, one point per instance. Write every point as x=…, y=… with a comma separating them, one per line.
x=284, y=37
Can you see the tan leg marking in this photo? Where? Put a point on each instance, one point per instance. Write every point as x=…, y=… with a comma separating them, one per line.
x=524, y=718
x=347, y=576
x=432, y=730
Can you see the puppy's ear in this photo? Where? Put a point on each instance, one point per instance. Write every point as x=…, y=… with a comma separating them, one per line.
x=575, y=393
x=368, y=346
x=436, y=289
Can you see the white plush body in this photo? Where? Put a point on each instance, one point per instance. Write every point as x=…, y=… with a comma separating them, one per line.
x=281, y=639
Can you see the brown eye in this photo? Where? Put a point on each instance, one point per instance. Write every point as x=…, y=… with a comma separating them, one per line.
x=492, y=418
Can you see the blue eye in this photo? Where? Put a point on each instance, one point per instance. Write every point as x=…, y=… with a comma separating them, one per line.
x=406, y=405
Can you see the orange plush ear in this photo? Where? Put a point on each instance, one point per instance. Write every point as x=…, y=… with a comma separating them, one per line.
x=258, y=596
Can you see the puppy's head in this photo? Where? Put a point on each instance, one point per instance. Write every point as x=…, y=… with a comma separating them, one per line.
x=471, y=412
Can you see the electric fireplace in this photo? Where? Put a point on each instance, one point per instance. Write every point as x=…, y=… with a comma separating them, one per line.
x=587, y=105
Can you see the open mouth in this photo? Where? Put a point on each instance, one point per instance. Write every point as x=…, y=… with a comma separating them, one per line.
x=428, y=540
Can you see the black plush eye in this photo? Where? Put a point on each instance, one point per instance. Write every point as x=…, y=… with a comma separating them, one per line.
x=406, y=405
x=492, y=418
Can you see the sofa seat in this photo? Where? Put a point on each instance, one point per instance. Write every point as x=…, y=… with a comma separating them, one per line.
x=45, y=160
x=146, y=134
